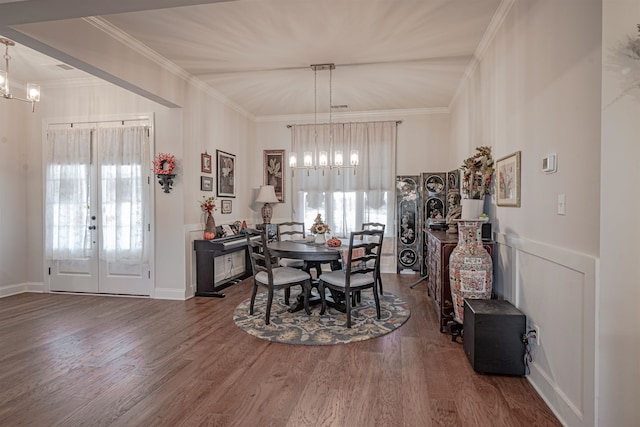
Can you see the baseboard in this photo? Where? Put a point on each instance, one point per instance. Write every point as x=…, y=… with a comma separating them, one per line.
x=21, y=288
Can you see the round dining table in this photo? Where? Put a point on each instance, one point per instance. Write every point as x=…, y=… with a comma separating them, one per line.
x=313, y=255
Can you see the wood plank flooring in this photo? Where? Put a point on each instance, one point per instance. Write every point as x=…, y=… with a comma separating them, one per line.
x=76, y=360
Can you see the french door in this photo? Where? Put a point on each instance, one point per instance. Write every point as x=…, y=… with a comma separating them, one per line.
x=97, y=210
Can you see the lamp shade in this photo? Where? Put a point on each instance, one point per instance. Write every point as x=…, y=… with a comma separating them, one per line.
x=267, y=194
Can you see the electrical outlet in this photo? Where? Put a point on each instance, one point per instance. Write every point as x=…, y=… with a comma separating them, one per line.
x=536, y=328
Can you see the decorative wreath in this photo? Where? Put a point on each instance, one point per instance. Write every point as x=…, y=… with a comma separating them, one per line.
x=164, y=164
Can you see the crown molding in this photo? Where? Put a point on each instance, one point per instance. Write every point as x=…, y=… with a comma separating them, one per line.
x=494, y=25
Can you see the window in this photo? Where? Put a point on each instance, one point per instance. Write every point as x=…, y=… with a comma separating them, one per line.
x=346, y=200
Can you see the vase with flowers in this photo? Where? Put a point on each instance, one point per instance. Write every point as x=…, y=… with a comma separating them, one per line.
x=476, y=181
x=208, y=205
x=319, y=229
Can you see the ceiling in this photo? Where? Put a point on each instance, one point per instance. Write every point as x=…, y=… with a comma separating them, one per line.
x=389, y=54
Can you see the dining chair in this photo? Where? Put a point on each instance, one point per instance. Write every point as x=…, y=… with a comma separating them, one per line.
x=291, y=231
x=266, y=273
x=375, y=226
x=359, y=271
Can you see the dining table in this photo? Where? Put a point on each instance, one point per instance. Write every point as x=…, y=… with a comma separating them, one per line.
x=313, y=255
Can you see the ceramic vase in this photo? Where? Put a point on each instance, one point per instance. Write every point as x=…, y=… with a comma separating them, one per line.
x=470, y=267
x=320, y=239
x=472, y=208
x=210, y=228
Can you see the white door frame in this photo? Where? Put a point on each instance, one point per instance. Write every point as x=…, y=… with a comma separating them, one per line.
x=96, y=121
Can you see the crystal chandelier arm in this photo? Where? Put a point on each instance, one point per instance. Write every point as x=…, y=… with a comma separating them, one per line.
x=33, y=90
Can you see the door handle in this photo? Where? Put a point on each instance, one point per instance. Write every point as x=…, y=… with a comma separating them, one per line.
x=92, y=227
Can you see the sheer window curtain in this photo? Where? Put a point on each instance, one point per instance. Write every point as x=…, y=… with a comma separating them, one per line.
x=67, y=179
x=123, y=193
x=123, y=159
x=346, y=200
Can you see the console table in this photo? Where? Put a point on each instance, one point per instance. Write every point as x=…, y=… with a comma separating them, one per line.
x=206, y=252
x=440, y=244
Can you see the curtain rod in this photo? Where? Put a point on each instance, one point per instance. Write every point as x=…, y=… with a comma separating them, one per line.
x=100, y=121
x=345, y=123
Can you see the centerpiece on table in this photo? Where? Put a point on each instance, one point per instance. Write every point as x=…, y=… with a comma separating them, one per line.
x=319, y=229
x=208, y=205
x=476, y=181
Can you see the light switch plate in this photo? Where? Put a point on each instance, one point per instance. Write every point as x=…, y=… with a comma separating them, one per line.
x=562, y=204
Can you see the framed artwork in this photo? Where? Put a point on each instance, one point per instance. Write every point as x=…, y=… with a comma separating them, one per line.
x=205, y=162
x=508, y=180
x=226, y=165
x=206, y=183
x=226, y=206
x=274, y=171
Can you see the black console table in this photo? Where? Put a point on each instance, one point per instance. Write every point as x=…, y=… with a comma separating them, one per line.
x=206, y=252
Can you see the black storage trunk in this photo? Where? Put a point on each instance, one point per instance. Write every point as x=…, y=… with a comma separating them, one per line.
x=493, y=332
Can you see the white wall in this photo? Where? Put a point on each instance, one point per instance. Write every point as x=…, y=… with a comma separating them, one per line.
x=14, y=172
x=619, y=339
x=536, y=90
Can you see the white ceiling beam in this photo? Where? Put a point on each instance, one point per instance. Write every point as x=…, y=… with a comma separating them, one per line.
x=33, y=11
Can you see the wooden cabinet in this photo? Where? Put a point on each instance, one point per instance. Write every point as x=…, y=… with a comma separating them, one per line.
x=440, y=244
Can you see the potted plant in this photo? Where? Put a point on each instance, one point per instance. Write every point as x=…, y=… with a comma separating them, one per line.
x=476, y=181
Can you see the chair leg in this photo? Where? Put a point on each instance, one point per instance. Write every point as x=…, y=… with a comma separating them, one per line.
x=347, y=303
x=269, y=301
x=287, y=294
x=377, y=299
x=379, y=278
x=322, y=297
x=253, y=296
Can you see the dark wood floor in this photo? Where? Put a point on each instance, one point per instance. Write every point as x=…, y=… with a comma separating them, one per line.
x=70, y=360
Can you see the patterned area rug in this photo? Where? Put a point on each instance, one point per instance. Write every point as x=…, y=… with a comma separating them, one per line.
x=300, y=328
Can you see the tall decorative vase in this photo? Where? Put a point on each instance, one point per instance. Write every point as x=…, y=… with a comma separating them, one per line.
x=472, y=208
x=470, y=267
x=210, y=228
x=320, y=238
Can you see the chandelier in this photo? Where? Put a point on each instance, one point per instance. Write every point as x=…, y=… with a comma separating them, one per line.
x=33, y=90
x=322, y=155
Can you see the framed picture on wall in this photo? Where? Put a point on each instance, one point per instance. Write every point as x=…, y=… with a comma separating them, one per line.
x=226, y=207
x=274, y=171
x=205, y=162
x=508, y=180
x=226, y=164
x=206, y=183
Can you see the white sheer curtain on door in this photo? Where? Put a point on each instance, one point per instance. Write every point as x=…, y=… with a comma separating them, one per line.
x=67, y=178
x=346, y=200
x=123, y=191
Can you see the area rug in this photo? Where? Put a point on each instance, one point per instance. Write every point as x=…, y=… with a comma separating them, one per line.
x=328, y=329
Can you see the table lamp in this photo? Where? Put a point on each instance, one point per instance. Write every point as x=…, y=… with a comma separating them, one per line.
x=267, y=195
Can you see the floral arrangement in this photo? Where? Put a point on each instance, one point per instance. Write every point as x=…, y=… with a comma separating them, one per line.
x=319, y=227
x=208, y=204
x=164, y=164
x=477, y=171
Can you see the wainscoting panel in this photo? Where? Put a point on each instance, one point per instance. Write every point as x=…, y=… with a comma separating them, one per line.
x=555, y=288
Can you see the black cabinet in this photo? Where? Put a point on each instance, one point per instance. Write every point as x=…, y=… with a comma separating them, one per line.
x=493, y=331
x=206, y=252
